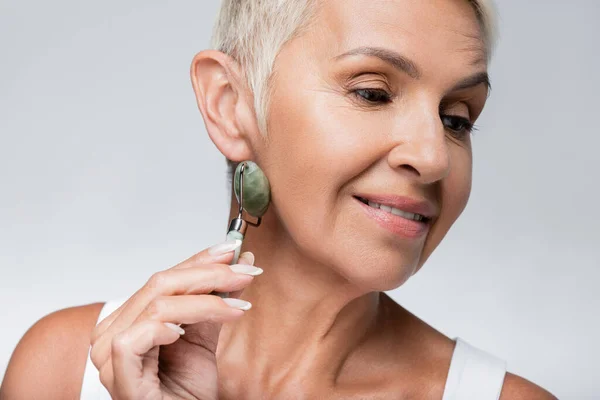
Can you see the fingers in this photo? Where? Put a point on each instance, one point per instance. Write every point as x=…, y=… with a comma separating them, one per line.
x=219, y=253
x=135, y=357
x=198, y=280
x=133, y=351
x=246, y=258
x=101, y=326
x=191, y=309
x=178, y=295
x=197, y=260
x=192, y=280
x=153, y=301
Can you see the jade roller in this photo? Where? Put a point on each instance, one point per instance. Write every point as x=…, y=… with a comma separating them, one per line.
x=253, y=194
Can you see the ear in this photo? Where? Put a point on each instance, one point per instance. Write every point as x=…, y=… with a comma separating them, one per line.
x=226, y=104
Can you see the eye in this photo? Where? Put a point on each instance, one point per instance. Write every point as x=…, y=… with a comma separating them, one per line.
x=373, y=96
x=460, y=126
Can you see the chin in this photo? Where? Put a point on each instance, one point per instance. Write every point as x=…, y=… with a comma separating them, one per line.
x=372, y=257
x=379, y=273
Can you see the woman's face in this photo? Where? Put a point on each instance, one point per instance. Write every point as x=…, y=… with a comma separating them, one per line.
x=376, y=99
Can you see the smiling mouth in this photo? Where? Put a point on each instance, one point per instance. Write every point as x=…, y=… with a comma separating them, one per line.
x=394, y=211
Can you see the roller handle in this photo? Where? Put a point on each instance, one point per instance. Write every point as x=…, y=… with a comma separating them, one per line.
x=232, y=235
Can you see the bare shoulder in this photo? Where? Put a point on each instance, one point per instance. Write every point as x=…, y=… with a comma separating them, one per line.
x=518, y=388
x=433, y=351
x=52, y=353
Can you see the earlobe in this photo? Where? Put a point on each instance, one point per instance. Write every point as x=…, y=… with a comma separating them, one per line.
x=219, y=94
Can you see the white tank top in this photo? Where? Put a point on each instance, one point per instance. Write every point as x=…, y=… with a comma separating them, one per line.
x=474, y=374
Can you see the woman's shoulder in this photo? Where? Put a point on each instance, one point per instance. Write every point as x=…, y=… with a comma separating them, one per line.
x=53, y=354
x=518, y=388
x=435, y=352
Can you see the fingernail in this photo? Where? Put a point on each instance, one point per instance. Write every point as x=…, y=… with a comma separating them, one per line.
x=246, y=257
x=175, y=328
x=246, y=269
x=224, y=247
x=237, y=303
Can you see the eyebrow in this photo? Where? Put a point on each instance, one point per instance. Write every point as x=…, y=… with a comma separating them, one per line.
x=472, y=81
x=391, y=57
x=407, y=66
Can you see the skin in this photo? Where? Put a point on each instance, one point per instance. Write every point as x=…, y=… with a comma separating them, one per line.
x=320, y=326
x=325, y=262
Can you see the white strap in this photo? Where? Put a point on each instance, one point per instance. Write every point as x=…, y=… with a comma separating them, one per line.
x=92, y=388
x=474, y=374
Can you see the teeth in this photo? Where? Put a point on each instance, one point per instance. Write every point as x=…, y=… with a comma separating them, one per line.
x=395, y=211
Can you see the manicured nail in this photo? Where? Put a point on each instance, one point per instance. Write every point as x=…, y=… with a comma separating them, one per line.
x=237, y=303
x=175, y=328
x=224, y=247
x=246, y=257
x=246, y=269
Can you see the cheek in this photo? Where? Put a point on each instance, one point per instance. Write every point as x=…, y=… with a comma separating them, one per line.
x=317, y=144
x=456, y=188
x=455, y=192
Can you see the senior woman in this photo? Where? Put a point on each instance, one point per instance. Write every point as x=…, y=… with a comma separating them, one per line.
x=359, y=113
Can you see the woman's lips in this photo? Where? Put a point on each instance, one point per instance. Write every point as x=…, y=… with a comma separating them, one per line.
x=396, y=224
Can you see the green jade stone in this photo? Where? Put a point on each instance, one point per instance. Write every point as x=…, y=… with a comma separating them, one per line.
x=257, y=192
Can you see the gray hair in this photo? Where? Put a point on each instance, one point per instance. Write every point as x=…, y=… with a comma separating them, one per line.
x=253, y=32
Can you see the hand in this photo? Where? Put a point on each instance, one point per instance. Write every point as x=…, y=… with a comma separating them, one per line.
x=137, y=349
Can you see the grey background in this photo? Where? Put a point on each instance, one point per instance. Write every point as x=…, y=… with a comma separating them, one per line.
x=107, y=175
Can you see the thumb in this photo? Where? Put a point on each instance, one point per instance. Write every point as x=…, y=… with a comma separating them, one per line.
x=246, y=257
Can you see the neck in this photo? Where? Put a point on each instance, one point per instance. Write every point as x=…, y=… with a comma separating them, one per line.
x=306, y=320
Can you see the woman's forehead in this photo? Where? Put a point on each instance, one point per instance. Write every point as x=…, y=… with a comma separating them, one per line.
x=414, y=27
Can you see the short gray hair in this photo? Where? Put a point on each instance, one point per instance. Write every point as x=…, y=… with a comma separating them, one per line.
x=254, y=31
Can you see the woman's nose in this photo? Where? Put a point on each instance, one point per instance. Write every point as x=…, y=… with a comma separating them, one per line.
x=421, y=150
